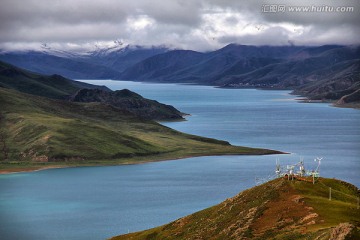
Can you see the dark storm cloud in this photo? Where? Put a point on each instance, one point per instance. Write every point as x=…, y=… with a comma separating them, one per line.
x=30, y=12
x=51, y=20
x=193, y=24
x=36, y=15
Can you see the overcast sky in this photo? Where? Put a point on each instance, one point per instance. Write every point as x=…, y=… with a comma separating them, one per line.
x=189, y=24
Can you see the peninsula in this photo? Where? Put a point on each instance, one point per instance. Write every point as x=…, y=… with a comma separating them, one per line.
x=50, y=121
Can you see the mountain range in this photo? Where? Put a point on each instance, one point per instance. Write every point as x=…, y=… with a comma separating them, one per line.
x=329, y=72
x=107, y=63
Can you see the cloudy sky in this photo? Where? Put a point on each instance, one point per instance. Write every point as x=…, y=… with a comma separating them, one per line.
x=189, y=24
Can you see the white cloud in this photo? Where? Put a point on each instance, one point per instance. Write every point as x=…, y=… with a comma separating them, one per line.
x=139, y=23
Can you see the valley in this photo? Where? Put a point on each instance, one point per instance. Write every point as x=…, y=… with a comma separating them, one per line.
x=328, y=73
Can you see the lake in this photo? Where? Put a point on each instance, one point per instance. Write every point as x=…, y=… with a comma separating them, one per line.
x=100, y=202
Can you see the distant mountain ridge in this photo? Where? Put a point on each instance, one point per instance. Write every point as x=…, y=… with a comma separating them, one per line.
x=102, y=63
x=320, y=73
x=326, y=72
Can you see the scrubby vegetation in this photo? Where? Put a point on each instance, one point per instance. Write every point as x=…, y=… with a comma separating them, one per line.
x=279, y=209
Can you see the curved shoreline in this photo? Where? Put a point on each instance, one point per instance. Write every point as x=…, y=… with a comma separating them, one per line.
x=24, y=170
x=35, y=168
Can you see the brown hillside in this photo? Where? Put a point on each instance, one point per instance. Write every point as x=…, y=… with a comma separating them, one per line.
x=279, y=209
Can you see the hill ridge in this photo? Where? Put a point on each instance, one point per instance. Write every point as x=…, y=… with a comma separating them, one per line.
x=58, y=87
x=130, y=101
x=279, y=209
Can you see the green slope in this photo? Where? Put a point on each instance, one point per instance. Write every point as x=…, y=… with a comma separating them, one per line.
x=58, y=87
x=279, y=209
x=36, y=129
x=54, y=86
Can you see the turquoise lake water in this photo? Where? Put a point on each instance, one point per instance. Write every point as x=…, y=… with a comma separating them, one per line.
x=100, y=202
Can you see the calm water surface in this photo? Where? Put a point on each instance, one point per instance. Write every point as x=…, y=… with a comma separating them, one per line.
x=100, y=202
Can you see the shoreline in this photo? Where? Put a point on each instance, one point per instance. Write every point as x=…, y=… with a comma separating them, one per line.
x=106, y=163
x=301, y=97
x=29, y=169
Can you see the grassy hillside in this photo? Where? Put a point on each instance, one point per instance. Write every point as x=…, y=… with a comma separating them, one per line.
x=279, y=209
x=53, y=86
x=58, y=87
x=36, y=130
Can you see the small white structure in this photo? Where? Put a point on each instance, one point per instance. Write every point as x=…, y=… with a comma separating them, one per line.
x=298, y=170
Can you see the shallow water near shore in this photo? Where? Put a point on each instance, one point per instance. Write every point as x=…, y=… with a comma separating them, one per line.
x=100, y=202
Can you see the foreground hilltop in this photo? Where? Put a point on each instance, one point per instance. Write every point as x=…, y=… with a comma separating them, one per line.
x=279, y=209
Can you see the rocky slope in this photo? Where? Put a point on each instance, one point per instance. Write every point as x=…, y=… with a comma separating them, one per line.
x=320, y=73
x=328, y=75
x=130, y=101
x=279, y=209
